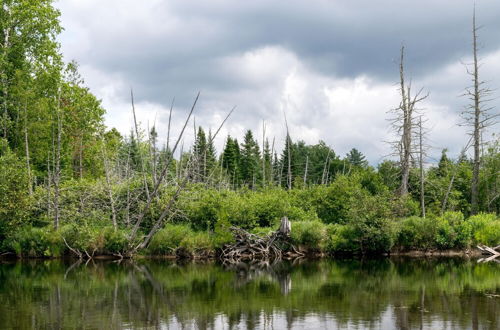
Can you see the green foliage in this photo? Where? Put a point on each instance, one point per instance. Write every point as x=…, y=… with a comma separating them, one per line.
x=341, y=239
x=14, y=198
x=417, y=233
x=36, y=242
x=166, y=240
x=485, y=229
x=174, y=236
x=197, y=242
x=310, y=234
x=449, y=232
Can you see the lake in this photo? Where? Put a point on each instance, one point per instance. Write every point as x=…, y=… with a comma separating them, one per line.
x=386, y=293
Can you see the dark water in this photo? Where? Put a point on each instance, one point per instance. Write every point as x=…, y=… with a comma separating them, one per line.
x=348, y=294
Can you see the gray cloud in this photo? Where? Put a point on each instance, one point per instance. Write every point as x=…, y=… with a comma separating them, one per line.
x=244, y=53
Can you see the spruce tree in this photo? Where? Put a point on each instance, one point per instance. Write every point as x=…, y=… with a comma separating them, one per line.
x=250, y=160
x=231, y=160
x=356, y=158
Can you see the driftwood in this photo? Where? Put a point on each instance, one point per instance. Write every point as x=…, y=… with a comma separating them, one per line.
x=248, y=246
x=493, y=252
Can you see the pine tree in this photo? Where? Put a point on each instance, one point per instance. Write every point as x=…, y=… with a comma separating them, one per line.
x=200, y=156
x=231, y=160
x=356, y=158
x=267, y=162
x=211, y=157
x=250, y=160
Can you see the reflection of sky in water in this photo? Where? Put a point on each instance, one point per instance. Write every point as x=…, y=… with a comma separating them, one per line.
x=353, y=294
x=310, y=321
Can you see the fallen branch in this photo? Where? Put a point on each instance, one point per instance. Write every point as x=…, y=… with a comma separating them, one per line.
x=492, y=251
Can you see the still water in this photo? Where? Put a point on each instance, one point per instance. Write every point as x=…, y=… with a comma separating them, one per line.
x=327, y=294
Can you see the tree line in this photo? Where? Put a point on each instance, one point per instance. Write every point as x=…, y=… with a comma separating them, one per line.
x=59, y=163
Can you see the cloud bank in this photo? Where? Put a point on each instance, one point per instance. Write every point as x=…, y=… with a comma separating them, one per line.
x=330, y=66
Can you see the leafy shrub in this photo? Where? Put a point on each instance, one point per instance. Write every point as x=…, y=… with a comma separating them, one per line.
x=489, y=234
x=197, y=242
x=115, y=241
x=341, y=239
x=417, y=233
x=166, y=240
x=448, y=231
x=36, y=242
x=485, y=229
x=310, y=234
x=86, y=239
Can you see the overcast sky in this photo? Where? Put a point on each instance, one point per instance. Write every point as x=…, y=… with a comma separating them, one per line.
x=331, y=66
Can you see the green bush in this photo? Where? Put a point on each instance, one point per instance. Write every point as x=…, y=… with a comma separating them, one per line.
x=341, y=239
x=449, y=233
x=115, y=241
x=166, y=240
x=310, y=234
x=197, y=242
x=416, y=233
x=36, y=242
x=485, y=229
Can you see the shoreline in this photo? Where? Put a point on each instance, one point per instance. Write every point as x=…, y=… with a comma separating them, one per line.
x=468, y=253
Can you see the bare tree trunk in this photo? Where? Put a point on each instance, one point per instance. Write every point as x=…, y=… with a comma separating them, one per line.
x=80, y=158
x=403, y=124
x=146, y=187
x=263, y=154
x=477, y=114
x=163, y=174
x=407, y=126
x=108, y=184
x=289, y=173
x=57, y=166
x=305, y=171
x=49, y=179
x=6, y=46
x=421, y=161
x=127, y=176
x=327, y=160
x=272, y=165
x=27, y=151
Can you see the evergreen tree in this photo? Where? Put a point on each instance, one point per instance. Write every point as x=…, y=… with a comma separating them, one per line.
x=211, y=157
x=200, y=156
x=231, y=160
x=267, y=162
x=356, y=158
x=250, y=160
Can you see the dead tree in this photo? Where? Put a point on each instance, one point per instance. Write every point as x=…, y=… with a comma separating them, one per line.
x=403, y=123
x=168, y=211
x=477, y=115
x=6, y=45
x=141, y=160
x=289, y=154
x=27, y=151
x=422, y=148
x=109, y=186
x=56, y=176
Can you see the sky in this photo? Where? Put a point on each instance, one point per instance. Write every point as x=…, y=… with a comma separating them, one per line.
x=330, y=67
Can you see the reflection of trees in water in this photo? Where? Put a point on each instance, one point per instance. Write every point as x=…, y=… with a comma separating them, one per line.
x=52, y=294
x=272, y=271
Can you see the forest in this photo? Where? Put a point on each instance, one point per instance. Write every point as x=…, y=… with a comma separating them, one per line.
x=69, y=185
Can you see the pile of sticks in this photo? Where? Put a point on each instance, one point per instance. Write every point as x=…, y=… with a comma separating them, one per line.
x=248, y=246
x=493, y=252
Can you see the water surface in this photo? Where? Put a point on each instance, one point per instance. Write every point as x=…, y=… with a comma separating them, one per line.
x=346, y=294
